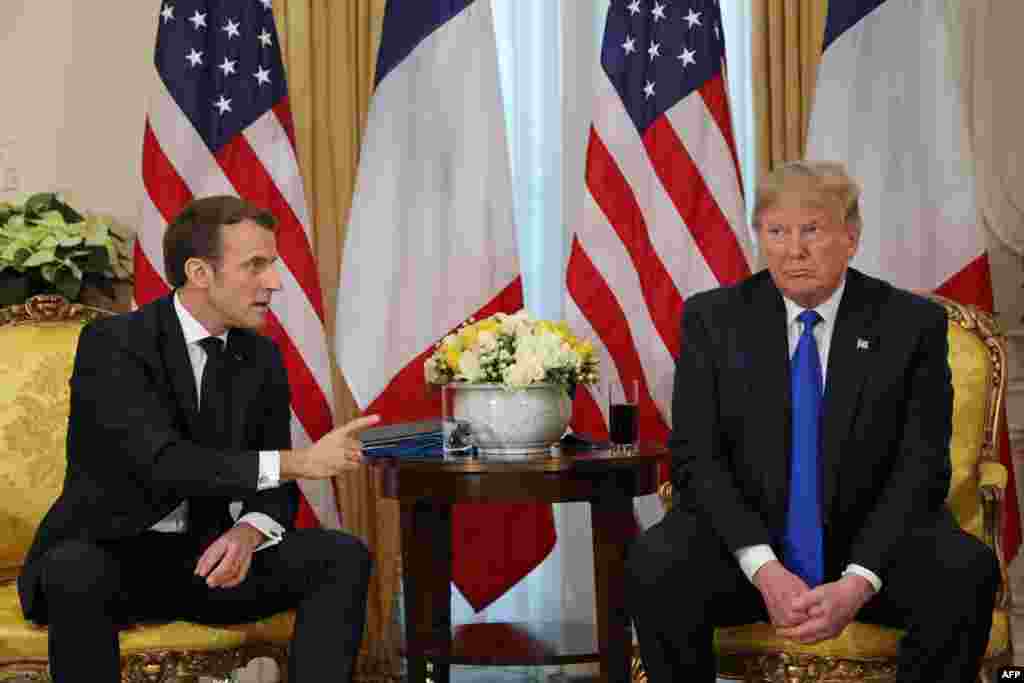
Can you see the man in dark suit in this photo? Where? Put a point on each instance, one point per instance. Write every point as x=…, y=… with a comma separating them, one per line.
x=166, y=430
x=735, y=547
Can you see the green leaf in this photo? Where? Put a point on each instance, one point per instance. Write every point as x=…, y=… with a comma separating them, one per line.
x=69, y=214
x=38, y=203
x=51, y=219
x=39, y=258
x=67, y=284
x=19, y=254
x=70, y=241
x=98, y=260
x=75, y=270
x=49, y=271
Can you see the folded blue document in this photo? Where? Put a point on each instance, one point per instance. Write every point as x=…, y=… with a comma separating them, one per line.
x=420, y=439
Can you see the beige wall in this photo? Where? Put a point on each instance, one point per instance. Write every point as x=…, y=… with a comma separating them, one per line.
x=73, y=84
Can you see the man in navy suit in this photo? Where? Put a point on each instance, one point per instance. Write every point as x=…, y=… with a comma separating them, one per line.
x=177, y=410
x=891, y=551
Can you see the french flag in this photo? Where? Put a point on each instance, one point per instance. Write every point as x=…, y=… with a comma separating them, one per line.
x=887, y=104
x=431, y=243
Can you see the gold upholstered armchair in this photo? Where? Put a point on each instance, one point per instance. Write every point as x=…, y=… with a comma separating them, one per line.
x=867, y=652
x=37, y=347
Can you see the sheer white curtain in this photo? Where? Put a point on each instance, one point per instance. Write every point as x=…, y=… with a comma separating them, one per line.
x=547, y=53
x=529, y=38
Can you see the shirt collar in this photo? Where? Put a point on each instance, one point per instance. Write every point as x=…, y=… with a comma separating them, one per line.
x=826, y=309
x=190, y=327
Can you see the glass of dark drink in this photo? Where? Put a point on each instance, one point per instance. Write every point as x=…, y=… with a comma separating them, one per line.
x=623, y=400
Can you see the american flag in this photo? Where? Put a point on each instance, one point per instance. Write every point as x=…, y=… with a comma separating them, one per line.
x=663, y=213
x=219, y=122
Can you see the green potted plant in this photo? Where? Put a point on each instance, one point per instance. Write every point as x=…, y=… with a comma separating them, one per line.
x=47, y=247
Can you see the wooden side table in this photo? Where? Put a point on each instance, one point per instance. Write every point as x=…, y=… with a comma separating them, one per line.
x=426, y=491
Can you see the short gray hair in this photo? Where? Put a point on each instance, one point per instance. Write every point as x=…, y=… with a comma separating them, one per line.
x=820, y=184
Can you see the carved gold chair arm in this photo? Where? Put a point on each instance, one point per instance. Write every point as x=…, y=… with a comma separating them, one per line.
x=993, y=478
x=665, y=495
x=992, y=474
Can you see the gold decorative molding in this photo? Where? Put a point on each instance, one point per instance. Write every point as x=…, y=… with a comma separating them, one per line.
x=987, y=328
x=164, y=666
x=49, y=308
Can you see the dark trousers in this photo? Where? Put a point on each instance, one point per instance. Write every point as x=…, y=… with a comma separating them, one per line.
x=682, y=582
x=91, y=588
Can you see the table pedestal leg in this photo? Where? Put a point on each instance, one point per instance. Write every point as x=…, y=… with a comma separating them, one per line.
x=427, y=574
x=613, y=525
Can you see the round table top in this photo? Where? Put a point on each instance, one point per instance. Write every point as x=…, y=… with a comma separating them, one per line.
x=566, y=474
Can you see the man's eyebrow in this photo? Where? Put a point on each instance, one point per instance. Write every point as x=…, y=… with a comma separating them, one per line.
x=258, y=257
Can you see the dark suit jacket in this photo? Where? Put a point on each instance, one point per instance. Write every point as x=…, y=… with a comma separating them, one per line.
x=132, y=451
x=887, y=417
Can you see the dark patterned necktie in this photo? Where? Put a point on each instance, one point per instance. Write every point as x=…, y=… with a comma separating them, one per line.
x=213, y=411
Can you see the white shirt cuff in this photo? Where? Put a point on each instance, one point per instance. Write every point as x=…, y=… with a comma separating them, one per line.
x=266, y=525
x=753, y=557
x=270, y=470
x=866, y=573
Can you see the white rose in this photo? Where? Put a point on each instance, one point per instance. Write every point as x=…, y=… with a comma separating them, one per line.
x=487, y=341
x=527, y=369
x=431, y=372
x=469, y=367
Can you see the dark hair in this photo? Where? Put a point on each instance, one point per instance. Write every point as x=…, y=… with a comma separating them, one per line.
x=196, y=231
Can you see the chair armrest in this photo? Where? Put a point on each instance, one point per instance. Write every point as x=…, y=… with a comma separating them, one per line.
x=992, y=474
x=992, y=481
x=665, y=494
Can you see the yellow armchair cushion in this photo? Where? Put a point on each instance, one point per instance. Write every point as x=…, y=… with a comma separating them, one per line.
x=20, y=639
x=972, y=376
x=35, y=365
x=857, y=641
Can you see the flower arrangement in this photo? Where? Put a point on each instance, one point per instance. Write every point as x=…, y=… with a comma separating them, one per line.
x=514, y=351
x=48, y=247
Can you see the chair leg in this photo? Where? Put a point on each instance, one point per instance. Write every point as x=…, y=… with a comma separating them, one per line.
x=282, y=666
x=637, y=672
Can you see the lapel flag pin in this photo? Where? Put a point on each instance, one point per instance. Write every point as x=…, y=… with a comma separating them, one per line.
x=863, y=344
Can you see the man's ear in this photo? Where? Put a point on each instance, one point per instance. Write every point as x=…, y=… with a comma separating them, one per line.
x=853, y=230
x=198, y=272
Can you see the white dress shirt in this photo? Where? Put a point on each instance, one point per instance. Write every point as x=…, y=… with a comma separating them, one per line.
x=753, y=557
x=269, y=461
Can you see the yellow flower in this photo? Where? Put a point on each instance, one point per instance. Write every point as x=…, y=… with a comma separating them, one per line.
x=452, y=357
x=586, y=349
x=489, y=325
x=468, y=336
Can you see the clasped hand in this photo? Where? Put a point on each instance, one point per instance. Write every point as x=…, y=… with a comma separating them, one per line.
x=225, y=563
x=809, y=615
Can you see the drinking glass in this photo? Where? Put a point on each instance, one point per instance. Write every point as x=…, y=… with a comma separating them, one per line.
x=623, y=405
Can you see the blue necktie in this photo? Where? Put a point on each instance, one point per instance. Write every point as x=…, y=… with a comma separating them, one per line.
x=803, y=544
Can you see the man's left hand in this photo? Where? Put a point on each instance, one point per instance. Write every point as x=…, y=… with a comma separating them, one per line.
x=831, y=606
x=225, y=563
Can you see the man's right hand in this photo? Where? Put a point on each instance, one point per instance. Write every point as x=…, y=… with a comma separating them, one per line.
x=337, y=451
x=779, y=588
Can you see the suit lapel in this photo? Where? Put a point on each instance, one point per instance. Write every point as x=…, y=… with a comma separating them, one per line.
x=177, y=363
x=768, y=348
x=851, y=350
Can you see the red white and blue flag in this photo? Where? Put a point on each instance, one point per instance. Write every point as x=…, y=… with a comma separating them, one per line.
x=888, y=105
x=431, y=242
x=219, y=122
x=663, y=216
